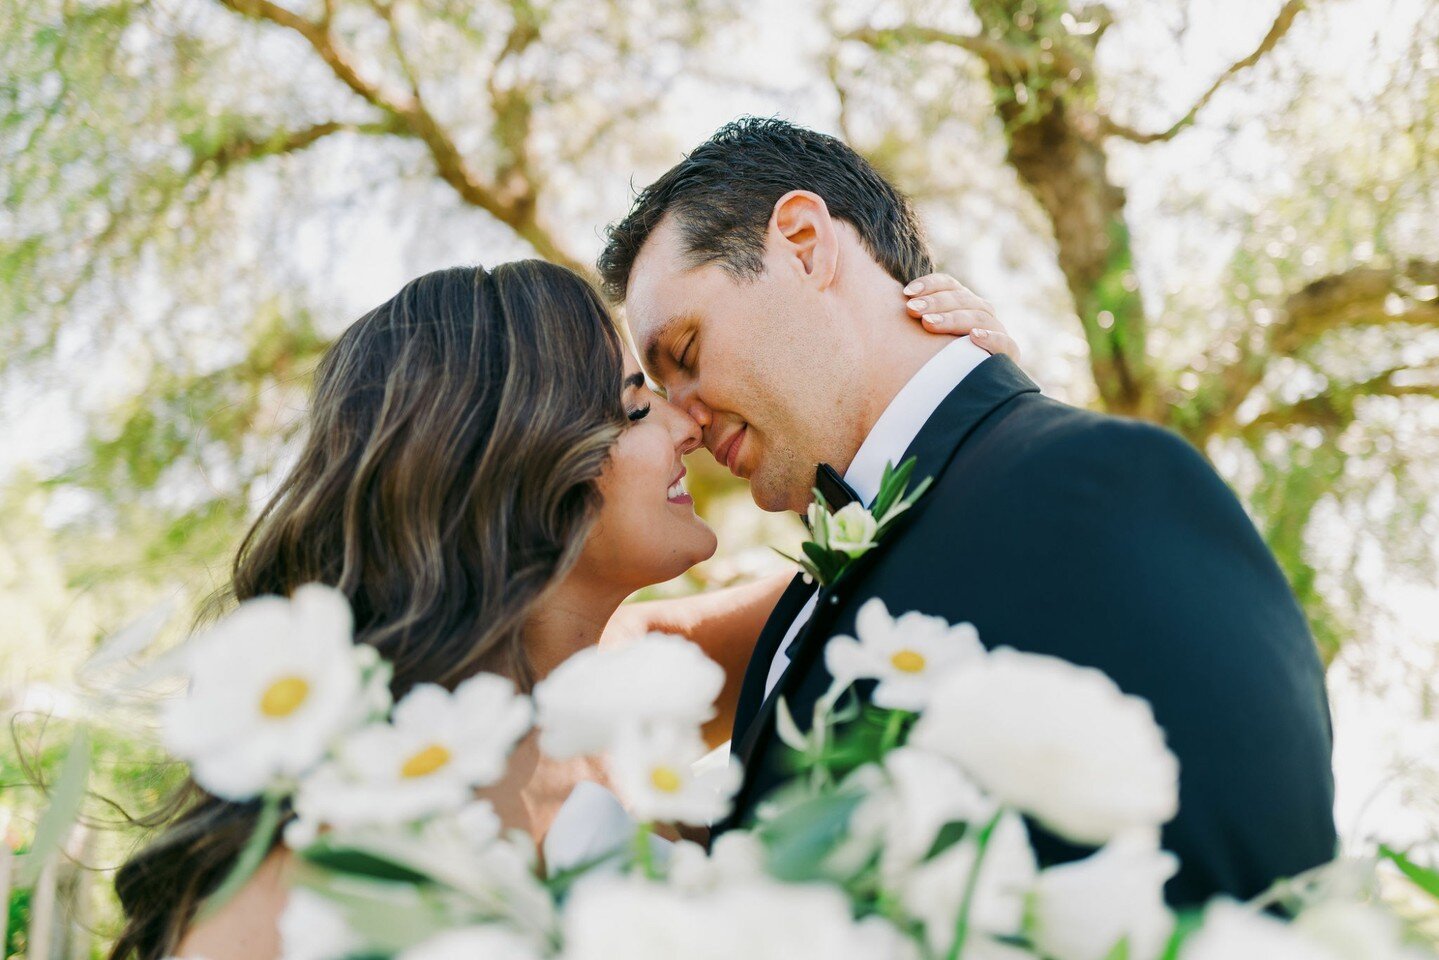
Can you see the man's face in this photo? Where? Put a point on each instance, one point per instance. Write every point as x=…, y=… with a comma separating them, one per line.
x=751, y=360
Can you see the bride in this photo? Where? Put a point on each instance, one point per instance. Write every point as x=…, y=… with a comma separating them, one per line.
x=487, y=476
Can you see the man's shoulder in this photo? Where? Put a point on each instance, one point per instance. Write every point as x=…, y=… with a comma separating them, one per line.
x=1038, y=433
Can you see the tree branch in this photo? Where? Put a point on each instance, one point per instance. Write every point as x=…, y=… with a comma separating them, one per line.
x=518, y=212
x=244, y=148
x=1363, y=296
x=1359, y=297
x=1282, y=22
x=1334, y=408
x=998, y=56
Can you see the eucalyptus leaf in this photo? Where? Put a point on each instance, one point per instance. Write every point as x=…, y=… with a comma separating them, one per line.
x=387, y=917
x=799, y=838
x=66, y=795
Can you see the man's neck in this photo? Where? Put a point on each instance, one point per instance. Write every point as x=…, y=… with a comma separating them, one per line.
x=896, y=355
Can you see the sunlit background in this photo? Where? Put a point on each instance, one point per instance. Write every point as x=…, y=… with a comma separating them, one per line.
x=1220, y=216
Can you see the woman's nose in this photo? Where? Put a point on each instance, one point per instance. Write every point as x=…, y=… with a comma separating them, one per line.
x=688, y=437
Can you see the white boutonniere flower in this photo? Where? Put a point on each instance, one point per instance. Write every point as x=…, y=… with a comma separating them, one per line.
x=839, y=537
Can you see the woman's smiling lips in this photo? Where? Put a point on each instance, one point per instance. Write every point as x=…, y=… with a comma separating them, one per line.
x=677, y=492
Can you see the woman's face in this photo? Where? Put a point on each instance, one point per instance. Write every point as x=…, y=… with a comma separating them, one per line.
x=647, y=530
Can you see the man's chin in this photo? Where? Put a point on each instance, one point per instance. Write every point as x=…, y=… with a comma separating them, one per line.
x=778, y=498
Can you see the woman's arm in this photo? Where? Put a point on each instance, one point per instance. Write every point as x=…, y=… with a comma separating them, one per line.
x=724, y=623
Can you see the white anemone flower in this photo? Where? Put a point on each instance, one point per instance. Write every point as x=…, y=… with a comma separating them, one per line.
x=735, y=857
x=313, y=928
x=437, y=748
x=908, y=655
x=1083, y=910
x=610, y=917
x=1231, y=931
x=272, y=687
x=1353, y=930
x=481, y=942
x=1058, y=741
x=654, y=771
x=904, y=813
x=934, y=892
x=655, y=679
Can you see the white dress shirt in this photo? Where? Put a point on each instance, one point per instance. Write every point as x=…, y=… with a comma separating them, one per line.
x=886, y=442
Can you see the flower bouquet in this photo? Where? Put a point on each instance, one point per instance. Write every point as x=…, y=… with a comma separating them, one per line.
x=903, y=833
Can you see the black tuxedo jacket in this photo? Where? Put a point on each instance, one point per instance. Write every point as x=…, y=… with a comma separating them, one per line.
x=1113, y=544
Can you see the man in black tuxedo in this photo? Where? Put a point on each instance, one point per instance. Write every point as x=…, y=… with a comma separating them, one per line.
x=761, y=278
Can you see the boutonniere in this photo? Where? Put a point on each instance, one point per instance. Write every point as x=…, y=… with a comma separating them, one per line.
x=838, y=538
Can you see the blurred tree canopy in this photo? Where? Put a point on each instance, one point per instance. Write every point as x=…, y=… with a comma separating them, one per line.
x=166, y=165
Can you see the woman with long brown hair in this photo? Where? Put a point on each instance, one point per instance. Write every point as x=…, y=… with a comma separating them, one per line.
x=487, y=477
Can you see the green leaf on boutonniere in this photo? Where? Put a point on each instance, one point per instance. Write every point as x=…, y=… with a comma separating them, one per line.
x=838, y=538
x=825, y=563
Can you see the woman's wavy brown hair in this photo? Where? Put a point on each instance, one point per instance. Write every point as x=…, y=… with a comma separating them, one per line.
x=447, y=478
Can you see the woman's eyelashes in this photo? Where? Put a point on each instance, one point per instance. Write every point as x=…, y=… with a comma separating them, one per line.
x=639, y=414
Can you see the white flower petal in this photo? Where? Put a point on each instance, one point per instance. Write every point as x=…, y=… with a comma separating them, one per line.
x=1058, y=741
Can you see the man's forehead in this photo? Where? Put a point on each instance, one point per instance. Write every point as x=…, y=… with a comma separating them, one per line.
x=658, y=289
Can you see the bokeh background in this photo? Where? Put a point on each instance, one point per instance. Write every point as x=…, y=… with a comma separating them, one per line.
x=1221, y=216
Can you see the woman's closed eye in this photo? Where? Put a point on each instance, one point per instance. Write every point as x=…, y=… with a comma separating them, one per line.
x=639, y=413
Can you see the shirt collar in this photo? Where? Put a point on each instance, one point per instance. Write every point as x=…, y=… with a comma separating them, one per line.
x=901, y=421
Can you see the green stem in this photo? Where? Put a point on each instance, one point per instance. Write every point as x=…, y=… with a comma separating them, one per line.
x=251, y=856
x=961, y=927
x=891, y=732
x=644, y=853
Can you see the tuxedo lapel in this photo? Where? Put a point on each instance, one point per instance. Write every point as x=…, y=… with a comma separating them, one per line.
x=989, y=386
x=757, y=672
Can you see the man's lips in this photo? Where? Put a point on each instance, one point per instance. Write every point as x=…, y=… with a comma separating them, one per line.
x=728, y=452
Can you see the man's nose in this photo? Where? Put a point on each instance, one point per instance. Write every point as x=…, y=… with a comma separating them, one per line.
x=687, y=400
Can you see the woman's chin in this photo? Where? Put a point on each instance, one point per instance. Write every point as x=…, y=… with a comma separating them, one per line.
x=695, y=545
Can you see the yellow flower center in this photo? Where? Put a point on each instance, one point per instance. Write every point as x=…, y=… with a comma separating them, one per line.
x=908, y=661
x=284, y=697
x=425, y=762
x=665, y=779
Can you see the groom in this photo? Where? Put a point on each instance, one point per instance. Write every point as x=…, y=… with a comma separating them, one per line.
x=761, y=277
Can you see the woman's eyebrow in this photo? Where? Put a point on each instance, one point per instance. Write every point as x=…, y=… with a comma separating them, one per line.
x=635, y=380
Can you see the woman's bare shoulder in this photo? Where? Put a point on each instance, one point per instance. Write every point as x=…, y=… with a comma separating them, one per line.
x=246, y=928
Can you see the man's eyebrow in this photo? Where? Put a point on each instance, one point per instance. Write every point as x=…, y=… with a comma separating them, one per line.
x=635, y=380
x=652, y=347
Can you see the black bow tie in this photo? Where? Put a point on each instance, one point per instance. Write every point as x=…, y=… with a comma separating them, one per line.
x=837, y=494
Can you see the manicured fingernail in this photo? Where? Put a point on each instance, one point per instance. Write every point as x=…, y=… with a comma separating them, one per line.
x=913, y=288
x=916, y=304
x=932, y=318
x=978, y=334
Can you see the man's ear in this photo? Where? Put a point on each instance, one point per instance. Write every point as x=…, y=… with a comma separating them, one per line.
x=803, y=232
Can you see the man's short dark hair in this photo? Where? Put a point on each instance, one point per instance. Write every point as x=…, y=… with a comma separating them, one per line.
x=722, y=196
